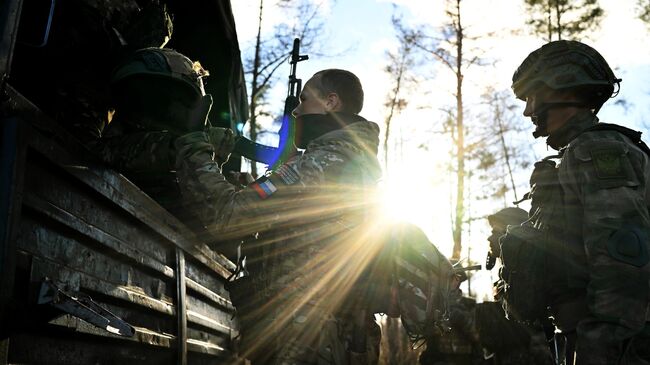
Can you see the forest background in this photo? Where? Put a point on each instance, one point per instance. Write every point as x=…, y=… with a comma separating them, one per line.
x=436, y=74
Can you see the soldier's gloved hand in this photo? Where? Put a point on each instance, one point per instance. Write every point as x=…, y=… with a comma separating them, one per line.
x=239, y=179
x=223, y=141
x=198, y=116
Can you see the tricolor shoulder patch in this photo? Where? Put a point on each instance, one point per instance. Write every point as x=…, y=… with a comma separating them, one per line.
x=264, y=187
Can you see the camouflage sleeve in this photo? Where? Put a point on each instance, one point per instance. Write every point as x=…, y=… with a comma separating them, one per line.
x=609, y=177
x=294, y=192
x=139, y=151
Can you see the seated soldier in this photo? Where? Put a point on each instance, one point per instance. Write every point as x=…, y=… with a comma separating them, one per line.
x=152, y=93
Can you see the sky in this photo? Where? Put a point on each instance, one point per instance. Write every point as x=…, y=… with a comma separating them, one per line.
x=417, y=186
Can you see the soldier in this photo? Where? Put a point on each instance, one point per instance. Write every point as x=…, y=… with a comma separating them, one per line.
x=498, y=223
x=584, y=251
x=294, y=290
x=322, y=264
x=480, y=333
x=153, y=91
x=509, y=341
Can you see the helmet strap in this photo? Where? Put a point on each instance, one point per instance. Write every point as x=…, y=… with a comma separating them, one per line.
x=540, y=114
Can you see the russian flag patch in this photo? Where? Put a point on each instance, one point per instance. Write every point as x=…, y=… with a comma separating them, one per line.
x=264, y=187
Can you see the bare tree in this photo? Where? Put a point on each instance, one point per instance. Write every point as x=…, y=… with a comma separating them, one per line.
x=400, y=66
x=449, y=49
x=497, y=152
x=269, y=53
x=563, y=18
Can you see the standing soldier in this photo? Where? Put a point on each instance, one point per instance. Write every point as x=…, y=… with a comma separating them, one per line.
x=498, y=223
x=481, y=333
x=584, y=251
x=511, y=342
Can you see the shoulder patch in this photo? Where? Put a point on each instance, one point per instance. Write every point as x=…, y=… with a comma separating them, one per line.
x=608, y=162
x=264, y=187
x=287, y=174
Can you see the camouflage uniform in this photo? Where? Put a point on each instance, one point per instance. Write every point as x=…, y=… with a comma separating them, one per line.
x=297, y=300
x=139, y=141
x=599, y=221
x=587, y=238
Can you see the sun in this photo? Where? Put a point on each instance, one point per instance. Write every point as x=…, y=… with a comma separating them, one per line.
x=408, y=195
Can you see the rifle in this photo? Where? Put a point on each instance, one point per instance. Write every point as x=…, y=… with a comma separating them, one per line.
x=274, y=156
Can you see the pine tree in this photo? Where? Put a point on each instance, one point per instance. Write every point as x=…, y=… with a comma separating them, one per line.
x=562, y=19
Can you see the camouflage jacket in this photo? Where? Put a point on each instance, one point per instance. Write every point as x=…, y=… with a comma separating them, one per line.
x=303, y=251
x=146, y=156
x=591, y=209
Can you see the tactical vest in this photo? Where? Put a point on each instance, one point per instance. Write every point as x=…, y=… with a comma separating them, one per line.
x=544, y=261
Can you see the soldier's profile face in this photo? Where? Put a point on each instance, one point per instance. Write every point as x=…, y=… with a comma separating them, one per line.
x=555, y=117
x=311, y=102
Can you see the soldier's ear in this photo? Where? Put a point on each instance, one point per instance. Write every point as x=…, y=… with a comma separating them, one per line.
x=333, y=103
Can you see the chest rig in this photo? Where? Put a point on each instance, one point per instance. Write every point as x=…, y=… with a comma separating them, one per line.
x=543, y=258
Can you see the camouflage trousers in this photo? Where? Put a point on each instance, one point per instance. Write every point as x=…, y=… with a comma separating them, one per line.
x=617, y=298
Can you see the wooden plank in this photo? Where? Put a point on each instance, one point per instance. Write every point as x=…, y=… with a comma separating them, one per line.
x=129, y=254
x=57, y=346
x=44, y=241
x=182, y=307
x=205, y=315
x=12, y=167
x=142, y=334
x=201, y=276
x=111, y=185
x=207, y=339
x=205, y=347
x=120, y=190
x=208, y=294
x=81, y=201
x=74, y=280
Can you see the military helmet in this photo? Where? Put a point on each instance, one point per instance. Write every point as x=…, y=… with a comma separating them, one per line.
x=508, y=216
x=565, y=64
x=162, y=63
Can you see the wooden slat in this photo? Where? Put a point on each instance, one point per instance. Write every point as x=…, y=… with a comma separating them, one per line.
x=80, y=281
x=213, y=297
x=120, y=190
x=111, y=243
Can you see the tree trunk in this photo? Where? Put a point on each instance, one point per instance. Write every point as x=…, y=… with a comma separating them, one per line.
x=393, y=103
x=460, y=142
x=550, y=21
x=506, y=155
x=255, y=89
x=558, y=20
